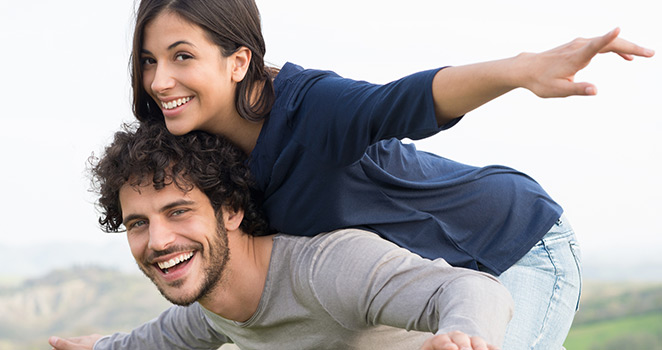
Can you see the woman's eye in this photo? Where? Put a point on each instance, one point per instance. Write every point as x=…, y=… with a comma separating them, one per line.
x=147, y=61
x=182, y=57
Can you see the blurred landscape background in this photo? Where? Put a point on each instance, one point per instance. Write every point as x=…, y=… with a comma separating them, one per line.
x=64, y=68
x=613, y=315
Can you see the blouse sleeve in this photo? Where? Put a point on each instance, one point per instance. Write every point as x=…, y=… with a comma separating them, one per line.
x=339, y=118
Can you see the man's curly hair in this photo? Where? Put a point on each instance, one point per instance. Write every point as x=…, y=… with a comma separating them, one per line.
x=148, y=154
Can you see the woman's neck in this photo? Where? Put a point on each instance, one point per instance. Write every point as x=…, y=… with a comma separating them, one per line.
x=241, y=132
x=246, y=134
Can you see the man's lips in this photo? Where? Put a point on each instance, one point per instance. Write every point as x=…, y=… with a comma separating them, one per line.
x=165, y=265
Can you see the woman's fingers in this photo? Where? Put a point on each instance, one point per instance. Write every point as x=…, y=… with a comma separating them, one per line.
x=610, y=42
x=599, y=44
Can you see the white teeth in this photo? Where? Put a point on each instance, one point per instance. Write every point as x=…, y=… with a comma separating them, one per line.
x=175, y=103
x=174, y=261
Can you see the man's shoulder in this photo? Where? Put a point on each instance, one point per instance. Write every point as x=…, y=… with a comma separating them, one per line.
x=333, y=239
x=335, y=250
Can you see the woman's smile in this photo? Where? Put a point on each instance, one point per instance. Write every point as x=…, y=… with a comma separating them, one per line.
x=174, y=103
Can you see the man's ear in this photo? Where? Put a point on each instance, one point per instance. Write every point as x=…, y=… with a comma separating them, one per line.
x=240, y=60
x=232, y=218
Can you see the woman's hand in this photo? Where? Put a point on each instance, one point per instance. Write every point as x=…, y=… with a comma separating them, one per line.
x=552, y=73
x=456, y=341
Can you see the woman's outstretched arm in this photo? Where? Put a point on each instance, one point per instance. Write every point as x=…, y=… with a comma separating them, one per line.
x=458, y=90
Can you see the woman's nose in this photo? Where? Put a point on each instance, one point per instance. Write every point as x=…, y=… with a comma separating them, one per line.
x=163, y=79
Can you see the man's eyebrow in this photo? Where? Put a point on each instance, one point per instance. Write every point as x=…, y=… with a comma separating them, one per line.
x=170, y=47
x=164, y=208
x=176, y=204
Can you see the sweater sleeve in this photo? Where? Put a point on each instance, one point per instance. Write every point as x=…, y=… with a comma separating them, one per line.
x=176, y=328
x=363, y=280
x=338, y=118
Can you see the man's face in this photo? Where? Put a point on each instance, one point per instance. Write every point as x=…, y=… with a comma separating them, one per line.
x=176, y=239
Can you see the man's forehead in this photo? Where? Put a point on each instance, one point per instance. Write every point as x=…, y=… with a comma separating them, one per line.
x=134, y=194
x=140, y=182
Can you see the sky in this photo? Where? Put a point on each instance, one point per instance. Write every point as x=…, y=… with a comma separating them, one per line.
x=65, y=81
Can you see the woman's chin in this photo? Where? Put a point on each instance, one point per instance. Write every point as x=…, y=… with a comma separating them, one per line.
x=177, y=127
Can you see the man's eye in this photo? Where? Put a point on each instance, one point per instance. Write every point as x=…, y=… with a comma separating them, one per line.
x=179, y=212
x=137, y=223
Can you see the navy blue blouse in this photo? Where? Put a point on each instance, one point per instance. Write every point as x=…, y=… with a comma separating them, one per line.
x=329, y=157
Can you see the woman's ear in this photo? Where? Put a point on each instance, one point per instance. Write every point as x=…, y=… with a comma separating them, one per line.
x=232, y=218
x=240, y=60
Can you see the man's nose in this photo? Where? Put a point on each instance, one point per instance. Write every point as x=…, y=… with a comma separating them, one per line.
x=161, y=235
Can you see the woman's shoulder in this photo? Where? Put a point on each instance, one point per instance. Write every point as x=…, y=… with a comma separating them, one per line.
x=291, y=72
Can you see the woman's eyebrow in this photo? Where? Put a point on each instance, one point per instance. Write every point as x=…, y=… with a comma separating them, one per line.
x=170, y=47
x=179, y=42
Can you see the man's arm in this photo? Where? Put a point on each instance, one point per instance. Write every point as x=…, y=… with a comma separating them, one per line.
x=363, y=280
x=459, y=90
x=176, y=328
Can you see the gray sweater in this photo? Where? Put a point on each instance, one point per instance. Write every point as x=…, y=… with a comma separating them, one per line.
x=347, y=289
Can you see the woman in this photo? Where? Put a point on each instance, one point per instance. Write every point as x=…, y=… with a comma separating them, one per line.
x=326, y=153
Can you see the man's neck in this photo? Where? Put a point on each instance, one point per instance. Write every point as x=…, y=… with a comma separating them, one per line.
x=239, y=292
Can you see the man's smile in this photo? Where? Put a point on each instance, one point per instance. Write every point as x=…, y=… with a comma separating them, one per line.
x=165, y=266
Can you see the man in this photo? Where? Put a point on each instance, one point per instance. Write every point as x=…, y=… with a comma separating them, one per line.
x=195, y=228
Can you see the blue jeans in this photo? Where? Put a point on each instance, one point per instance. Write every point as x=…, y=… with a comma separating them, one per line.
x=545, y=285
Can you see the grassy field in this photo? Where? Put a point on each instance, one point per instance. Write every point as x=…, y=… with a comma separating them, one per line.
x=632, y=333
x=618, y=316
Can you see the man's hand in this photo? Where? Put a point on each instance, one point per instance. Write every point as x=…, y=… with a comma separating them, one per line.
x=77, y=343
x=456, y=341
x=552, y=73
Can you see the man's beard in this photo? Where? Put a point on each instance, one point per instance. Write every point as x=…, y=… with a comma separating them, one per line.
x=216, y=258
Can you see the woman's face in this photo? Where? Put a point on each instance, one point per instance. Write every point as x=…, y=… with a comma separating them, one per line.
x=187, y=76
